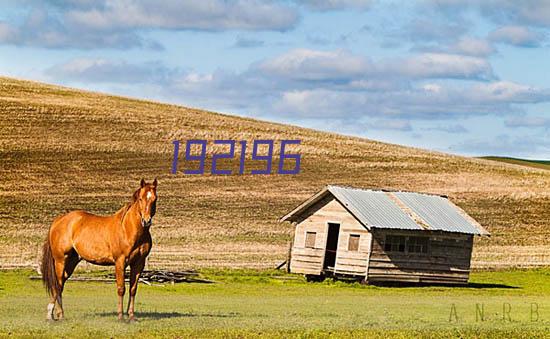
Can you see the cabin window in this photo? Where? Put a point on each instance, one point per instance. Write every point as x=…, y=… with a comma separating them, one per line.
x=417, y=245
x=353, y=244
x=310, y=239
x=394, y=243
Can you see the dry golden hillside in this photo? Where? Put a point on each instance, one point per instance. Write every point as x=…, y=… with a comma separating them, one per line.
x=63, y=149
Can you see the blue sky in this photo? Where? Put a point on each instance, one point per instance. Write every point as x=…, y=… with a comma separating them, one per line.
x=459, y=76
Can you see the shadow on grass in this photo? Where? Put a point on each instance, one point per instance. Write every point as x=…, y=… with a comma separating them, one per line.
x=168, y=315
x=468, y=285
x=490, y=285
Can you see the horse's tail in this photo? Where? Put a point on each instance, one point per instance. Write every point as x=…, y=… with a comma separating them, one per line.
x=49, y=278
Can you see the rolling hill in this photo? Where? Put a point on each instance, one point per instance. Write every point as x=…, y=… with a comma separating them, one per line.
x=63, y=149
x=544, y=164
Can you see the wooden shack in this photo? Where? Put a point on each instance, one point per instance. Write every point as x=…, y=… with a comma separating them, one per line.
x=379, y=236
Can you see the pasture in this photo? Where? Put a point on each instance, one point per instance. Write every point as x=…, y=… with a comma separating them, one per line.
x=247, y=303
x=63, y=149
x=543, y=164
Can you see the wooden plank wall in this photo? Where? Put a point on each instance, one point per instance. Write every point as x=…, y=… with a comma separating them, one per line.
x=352, y=262
x=447, y=260
x=310, y=261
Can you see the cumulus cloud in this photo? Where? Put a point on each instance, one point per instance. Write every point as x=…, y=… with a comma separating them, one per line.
x=417, y=102
x=528, y=122
x=532, y=12
x=243, y=42
x=327, y=5
x=187, y=14
x=508, y=92
x=422, y=30
x=340, y=65
x=109, y=71
x=472, y=46
x=504, y=145
x=452, y=129
x=7, y=33
x=306, y=64
x=518, y=36
x=43, y=29
x=394, y=125
x=121, y=23
x=338, y=85
x=441, y=65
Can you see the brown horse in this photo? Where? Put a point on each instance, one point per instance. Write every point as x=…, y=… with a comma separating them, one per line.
x=120, y=239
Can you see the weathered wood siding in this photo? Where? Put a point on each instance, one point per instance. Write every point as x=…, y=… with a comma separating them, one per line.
x=447, y=260
x=310, y=260
x=352, y=262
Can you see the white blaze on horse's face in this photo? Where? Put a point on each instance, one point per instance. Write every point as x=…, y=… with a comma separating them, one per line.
x=147, y=203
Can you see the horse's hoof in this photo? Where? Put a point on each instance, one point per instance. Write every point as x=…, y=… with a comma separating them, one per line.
x=133, y=319
x=120, y=317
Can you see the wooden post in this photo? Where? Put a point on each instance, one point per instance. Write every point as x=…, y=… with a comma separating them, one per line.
x=289, y=256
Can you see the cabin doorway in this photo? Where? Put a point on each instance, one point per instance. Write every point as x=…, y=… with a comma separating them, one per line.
x=332, y=246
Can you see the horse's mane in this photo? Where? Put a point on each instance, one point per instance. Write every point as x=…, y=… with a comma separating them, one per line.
x=124, y=209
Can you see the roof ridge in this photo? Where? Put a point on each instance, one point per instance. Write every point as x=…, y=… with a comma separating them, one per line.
x=415, y=217
x=391, y=190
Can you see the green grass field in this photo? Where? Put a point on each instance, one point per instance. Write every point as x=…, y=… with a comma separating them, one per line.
x=270, y=303
x=542, y=164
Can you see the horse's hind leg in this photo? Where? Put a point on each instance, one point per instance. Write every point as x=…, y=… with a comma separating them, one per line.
x=71, y=260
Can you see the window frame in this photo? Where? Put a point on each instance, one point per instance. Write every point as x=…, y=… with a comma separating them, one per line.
x=309, y=234
x=423, y=249
x=356, y=242
x=392, y=244
x=406, y=244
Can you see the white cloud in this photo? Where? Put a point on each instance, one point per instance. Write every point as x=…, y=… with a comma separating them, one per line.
x=85, y=70
x=505, y=145
x=244, y=42
x=120, y=24
x=517, y=36
x=395, y=125
x=472, y=46
x=309, y=64
x=441, y=65
x=321, y=103
x=531, y=12
x=423, y=30
x=326, y=5
x=432, y=88
x=321, y=84
x=186, y=14
x=44, y=29
x=452, y=129
x=528, y=122
x=306, y=64
x=508, y=92
x=6, y=32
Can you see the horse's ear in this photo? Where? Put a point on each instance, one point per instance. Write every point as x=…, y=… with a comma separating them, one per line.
x=155, y=182
x=142, y=183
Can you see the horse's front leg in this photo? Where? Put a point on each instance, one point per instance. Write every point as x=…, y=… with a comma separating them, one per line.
x=120, y=268
x=135, y=272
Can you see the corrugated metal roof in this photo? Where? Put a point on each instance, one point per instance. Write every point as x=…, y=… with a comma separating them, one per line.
x=397, y=210
x=373, y=208
x=438, y=212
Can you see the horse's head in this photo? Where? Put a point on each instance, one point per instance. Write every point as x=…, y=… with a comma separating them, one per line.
x=146, y=199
